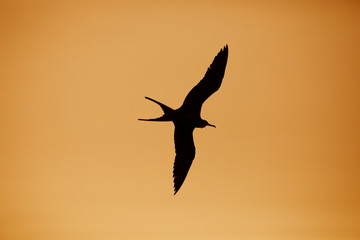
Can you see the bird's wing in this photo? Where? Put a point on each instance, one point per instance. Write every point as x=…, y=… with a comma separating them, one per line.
x=185, y=153
x=209, y=84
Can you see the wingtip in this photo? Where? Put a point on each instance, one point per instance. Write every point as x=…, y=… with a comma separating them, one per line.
x=176, y=190
x=176, y=186
x=225, y=48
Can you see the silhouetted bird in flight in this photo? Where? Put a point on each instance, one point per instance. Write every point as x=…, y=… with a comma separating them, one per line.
x=187, y=117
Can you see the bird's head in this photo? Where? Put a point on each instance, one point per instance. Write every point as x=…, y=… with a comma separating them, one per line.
x=204, y=123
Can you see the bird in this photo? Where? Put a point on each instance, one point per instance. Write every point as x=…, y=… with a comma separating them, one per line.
x=187, y=117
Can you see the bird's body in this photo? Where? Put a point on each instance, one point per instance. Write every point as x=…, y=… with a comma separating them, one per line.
x=187, y=117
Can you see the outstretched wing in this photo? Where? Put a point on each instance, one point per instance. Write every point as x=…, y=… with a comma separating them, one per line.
x=185, y=153
x=209, y=84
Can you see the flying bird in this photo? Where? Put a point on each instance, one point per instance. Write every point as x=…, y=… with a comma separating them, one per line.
x=187, y=117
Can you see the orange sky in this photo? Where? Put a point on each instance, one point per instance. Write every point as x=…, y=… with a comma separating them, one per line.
x=283, y=162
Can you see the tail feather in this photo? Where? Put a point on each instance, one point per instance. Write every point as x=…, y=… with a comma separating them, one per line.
x=162, y=118
x=168, y=112
x=165, y=108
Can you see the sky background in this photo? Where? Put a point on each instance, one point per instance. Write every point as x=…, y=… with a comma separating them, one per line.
x=283, y=162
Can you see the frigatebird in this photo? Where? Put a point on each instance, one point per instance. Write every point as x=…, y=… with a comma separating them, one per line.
x=187, y=117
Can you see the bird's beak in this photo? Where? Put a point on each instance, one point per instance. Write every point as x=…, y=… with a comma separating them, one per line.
x=211, y=125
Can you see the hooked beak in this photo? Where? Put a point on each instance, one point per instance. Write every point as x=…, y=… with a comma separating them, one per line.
x=211, y=125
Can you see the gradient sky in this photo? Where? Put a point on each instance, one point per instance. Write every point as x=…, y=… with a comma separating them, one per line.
x=283, y=162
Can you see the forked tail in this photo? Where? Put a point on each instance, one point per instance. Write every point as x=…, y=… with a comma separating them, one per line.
x=168, y=112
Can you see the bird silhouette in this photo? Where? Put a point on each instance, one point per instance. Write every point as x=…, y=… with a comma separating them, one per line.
x=187, y=117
